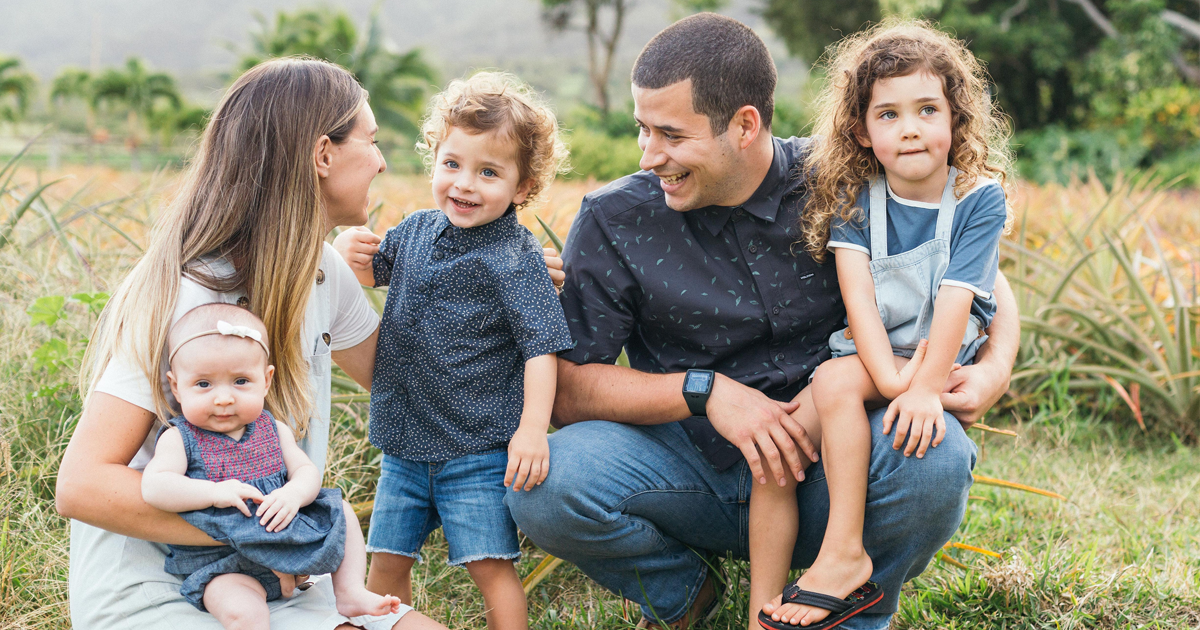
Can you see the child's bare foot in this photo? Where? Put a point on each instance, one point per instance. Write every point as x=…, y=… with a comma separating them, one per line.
x=836, y=576
x=360, y=601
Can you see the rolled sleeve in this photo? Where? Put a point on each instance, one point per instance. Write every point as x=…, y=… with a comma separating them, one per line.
x=534, y=314
x=385, y=259
x=597, y=298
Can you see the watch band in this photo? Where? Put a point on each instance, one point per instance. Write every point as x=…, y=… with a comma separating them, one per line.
x=697, y=401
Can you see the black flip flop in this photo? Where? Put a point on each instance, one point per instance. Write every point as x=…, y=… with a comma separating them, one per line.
x=840, y=610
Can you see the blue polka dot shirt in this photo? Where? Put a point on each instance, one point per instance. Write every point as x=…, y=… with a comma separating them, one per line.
x=466, y=307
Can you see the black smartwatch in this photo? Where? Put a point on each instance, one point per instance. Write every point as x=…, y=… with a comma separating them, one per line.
x=697, y=385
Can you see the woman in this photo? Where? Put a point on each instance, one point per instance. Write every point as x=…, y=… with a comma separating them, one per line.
x=288, y=155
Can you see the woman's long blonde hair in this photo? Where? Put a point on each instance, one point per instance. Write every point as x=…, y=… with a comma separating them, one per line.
x=250, y=197
x=839, y=167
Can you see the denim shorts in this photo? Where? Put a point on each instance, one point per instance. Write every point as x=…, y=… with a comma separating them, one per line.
x=465, y=496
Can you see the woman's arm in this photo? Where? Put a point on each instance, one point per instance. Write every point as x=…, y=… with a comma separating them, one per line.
x=97, y=486
x=870, y=337
x=359, y=361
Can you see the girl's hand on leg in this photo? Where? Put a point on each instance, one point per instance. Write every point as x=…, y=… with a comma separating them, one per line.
x=278, y=509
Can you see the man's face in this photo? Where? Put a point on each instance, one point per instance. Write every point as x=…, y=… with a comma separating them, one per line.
x=695, y=168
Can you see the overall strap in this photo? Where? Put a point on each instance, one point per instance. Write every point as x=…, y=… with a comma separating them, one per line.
x=878, y=218
x=945, y=219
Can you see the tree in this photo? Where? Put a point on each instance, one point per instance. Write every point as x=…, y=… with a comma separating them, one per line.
x=75, y=84
x=140, y=93
x=559, y=15
x=397, y=81
x=16, y=89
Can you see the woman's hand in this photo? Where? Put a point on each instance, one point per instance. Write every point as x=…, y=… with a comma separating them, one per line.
x=528, y=459
x=233, y=493
x=279, y=508
x=917, y=413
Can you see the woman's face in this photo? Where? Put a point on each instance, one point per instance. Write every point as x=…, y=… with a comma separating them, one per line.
x=345, y=171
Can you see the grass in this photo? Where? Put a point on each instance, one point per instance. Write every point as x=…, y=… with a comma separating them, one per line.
x=1123, y=551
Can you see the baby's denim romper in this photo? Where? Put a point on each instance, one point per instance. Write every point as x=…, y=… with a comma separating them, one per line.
x=313, y=543
x=906, y=285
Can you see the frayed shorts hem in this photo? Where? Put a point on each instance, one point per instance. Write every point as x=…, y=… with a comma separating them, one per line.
x=415, y=555
x=458, y=562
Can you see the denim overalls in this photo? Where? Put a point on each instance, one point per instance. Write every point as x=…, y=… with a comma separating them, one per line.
x=906, y=285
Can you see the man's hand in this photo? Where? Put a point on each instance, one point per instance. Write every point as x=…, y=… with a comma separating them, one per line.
x=972, y=389
x=554, y=265
x=756, y=424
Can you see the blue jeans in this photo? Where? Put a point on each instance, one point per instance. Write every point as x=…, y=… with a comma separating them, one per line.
x=636, y=507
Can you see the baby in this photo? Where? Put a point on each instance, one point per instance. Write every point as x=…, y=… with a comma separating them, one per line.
x=236, y=473
x=465, y=372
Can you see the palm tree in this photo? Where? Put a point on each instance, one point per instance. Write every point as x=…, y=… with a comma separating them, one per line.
x=140, y=92
x=397, y=81
x=16, y=89
x=75, y=84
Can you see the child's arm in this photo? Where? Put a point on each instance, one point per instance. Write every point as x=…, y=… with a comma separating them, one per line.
x=357, y=246
x=304, y=482
x=529, y=451
x=166, y=487
x=918, y=411
x=870, y=337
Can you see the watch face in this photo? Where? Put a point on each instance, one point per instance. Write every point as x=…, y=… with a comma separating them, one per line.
x=698, y=382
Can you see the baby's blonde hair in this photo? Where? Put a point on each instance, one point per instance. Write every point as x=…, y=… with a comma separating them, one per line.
x=839, y=166
x=499, y=101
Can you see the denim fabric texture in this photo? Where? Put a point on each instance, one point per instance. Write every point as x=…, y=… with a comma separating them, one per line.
x=466, y=307
x=465, y=496
x=906, y=284
x=313, y=543
x=637, y=507
x=724, y=289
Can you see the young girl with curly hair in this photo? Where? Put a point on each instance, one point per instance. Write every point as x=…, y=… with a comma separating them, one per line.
x=906, y=188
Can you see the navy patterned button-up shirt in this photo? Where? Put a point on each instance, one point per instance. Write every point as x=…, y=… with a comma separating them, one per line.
x=465, y=309
x=719, y=288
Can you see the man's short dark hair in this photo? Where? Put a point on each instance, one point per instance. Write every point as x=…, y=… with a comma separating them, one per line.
x=728, y=63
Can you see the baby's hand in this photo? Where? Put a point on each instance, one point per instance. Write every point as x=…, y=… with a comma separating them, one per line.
x=917, y=414
x=528, y=460
x=357, y=246
x=278, y=509
x=233, y=493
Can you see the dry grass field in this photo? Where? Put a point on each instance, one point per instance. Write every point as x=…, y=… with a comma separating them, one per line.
x=1121, y=551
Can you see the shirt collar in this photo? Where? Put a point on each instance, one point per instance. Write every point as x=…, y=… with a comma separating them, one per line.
x=764, y=203
x=477, y=236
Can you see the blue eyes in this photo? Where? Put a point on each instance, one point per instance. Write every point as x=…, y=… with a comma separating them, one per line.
x=451, y=164
x=928, y=110
x=202, y=384
x=888, y=115
x=242, y=381
x=487, y=172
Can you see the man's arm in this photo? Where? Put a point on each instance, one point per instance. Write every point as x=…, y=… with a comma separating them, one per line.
x=972, y=390
x=758, y=426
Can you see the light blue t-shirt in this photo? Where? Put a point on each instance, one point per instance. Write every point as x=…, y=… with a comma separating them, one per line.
x=974, y=237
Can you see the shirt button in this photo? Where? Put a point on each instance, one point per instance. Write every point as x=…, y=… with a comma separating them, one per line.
x=412, y=321
x=243, y=302
x=402, y=361
x=437, y=255
x=462, y=249
x=779, y=358
x=753, y=249
x=775, y=310
x=320, y=276
x=326, y=338
x=739, y=213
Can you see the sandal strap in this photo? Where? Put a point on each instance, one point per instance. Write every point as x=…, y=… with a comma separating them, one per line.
x=793, y=594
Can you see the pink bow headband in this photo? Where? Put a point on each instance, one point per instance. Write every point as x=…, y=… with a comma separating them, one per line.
x=224, y=328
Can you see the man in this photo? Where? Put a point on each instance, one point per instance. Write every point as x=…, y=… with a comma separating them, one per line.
x=690, y=265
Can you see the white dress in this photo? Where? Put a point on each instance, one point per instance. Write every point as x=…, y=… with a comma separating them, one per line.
x=117, y=582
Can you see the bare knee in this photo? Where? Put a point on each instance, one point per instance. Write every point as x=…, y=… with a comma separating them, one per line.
x=392, y=564
x=841, y=382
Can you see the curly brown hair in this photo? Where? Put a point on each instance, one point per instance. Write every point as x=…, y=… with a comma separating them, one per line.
x=490, y=101
x=839, y=167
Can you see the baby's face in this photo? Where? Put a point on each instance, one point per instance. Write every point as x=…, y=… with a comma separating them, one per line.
x=221, y=382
